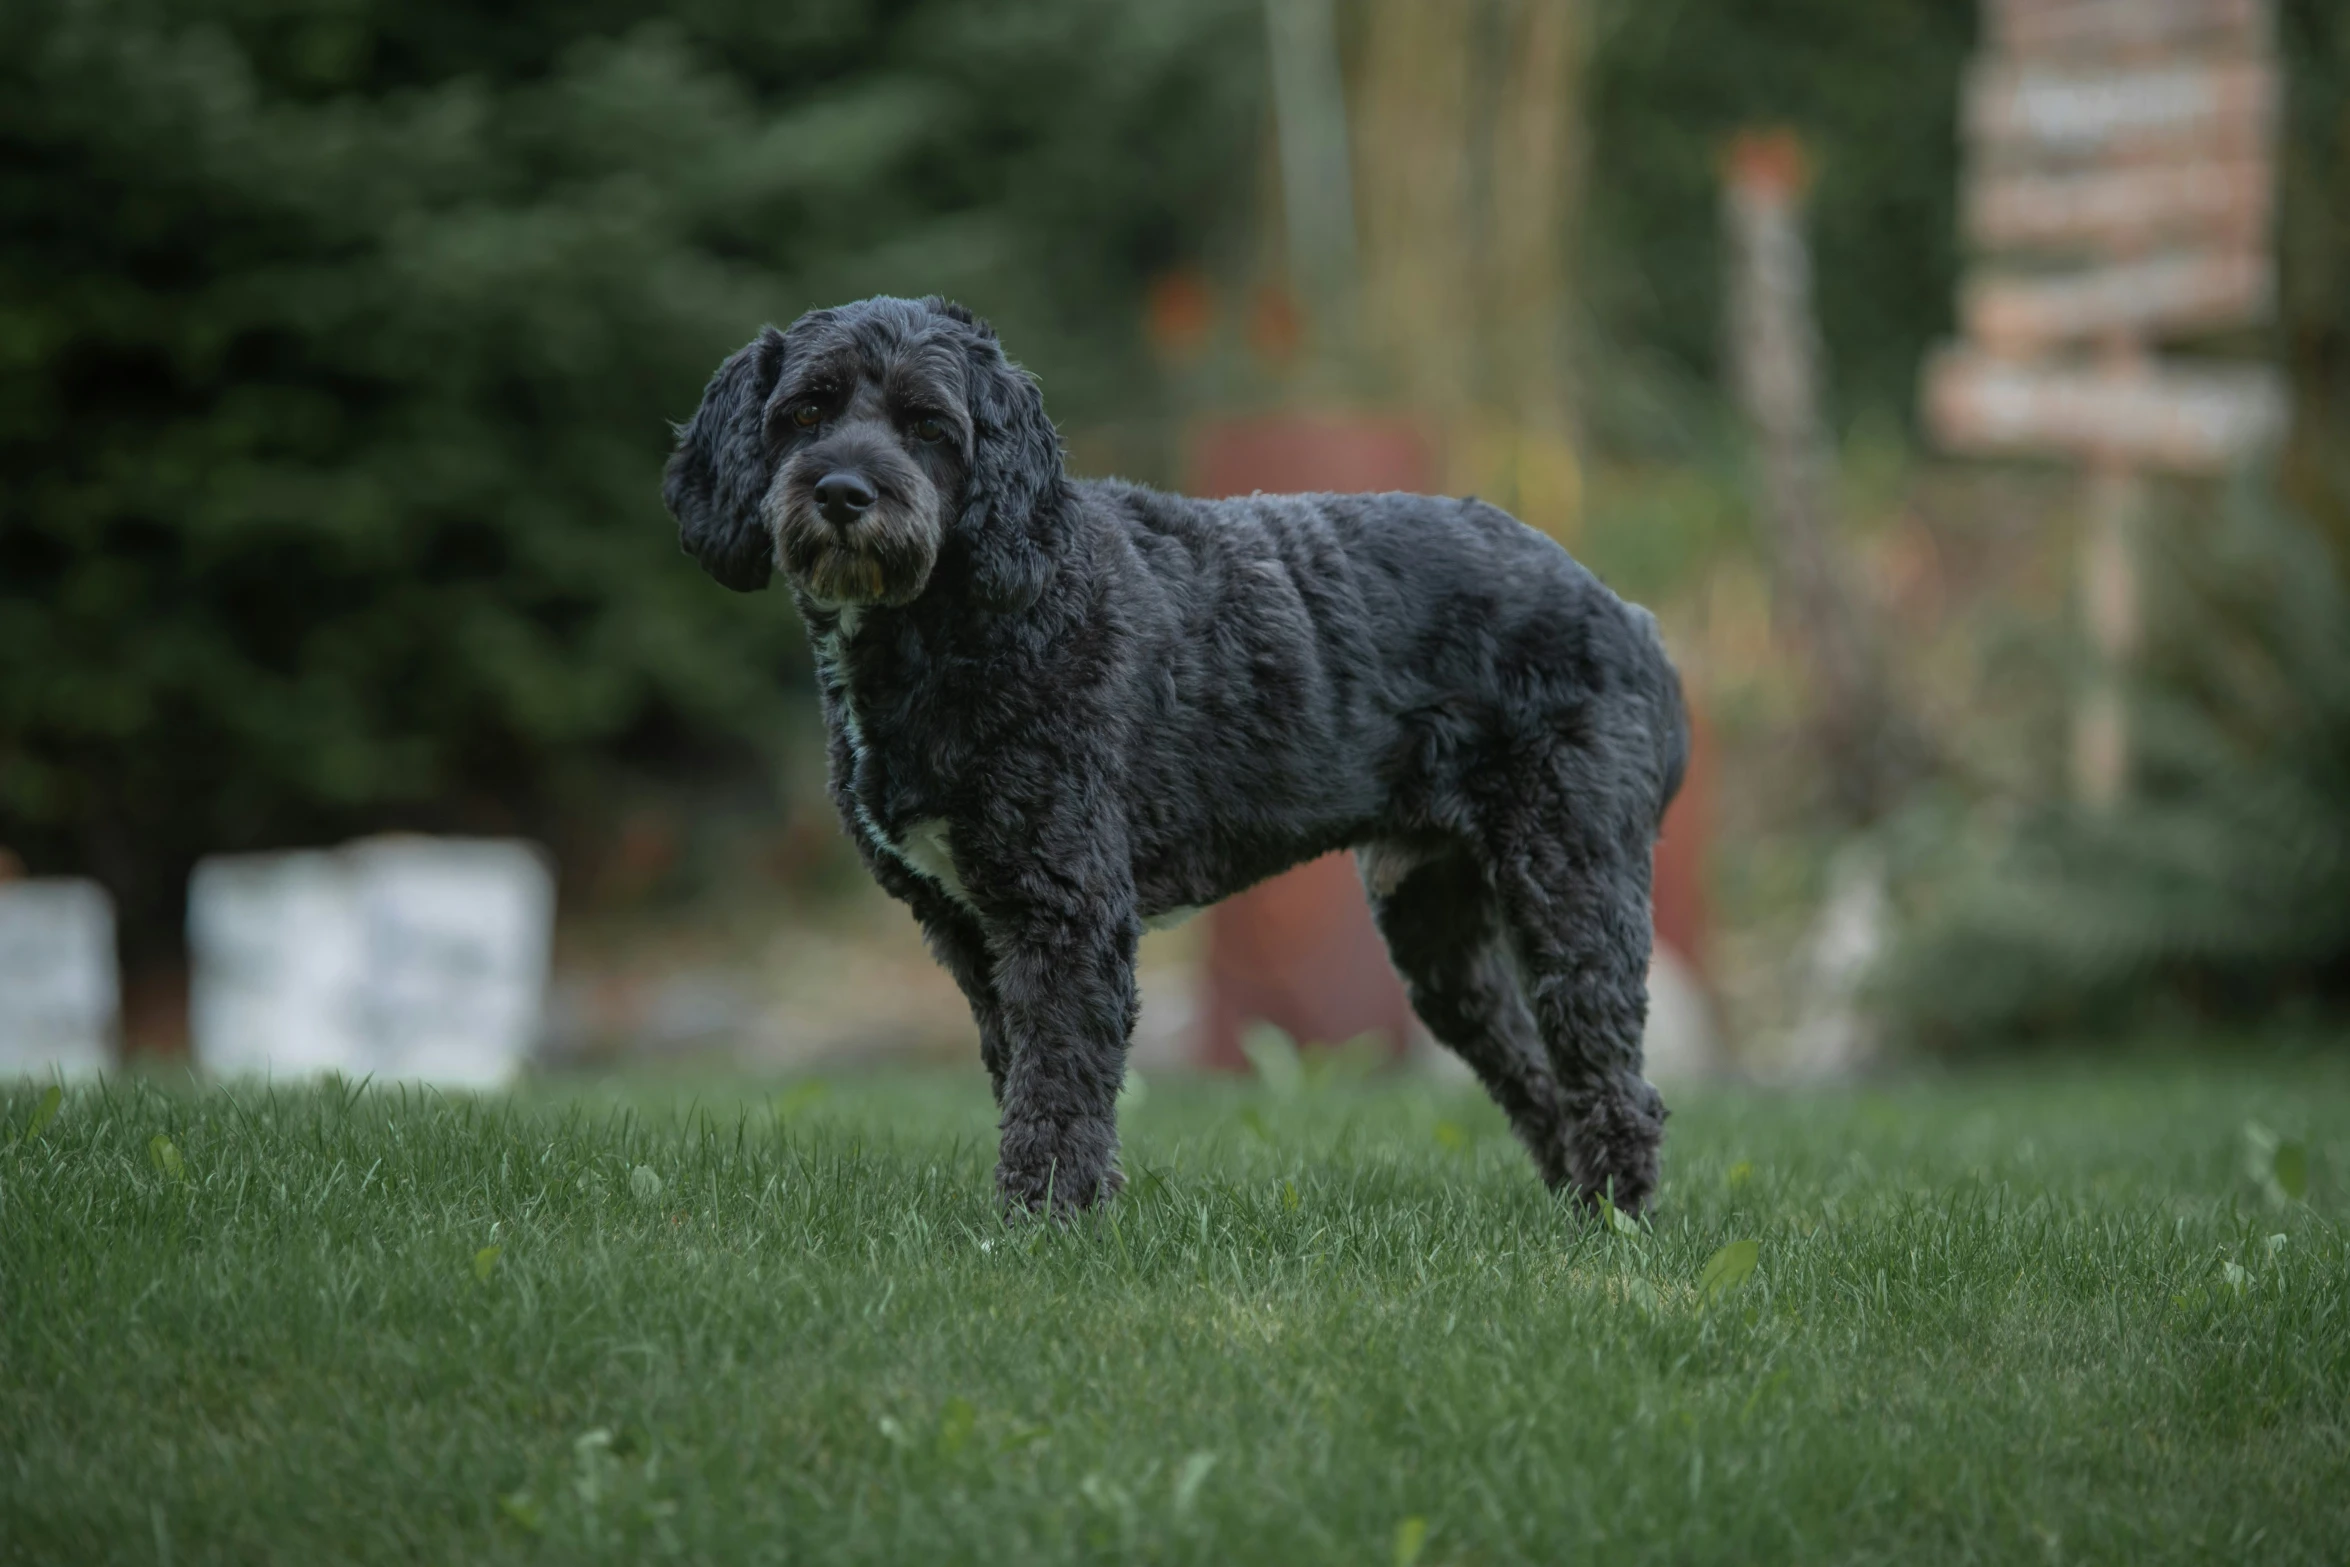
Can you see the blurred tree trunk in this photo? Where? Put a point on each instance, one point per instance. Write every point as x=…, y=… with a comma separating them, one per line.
x=1537, y=169
x=1468, y=168
x=1413, y=113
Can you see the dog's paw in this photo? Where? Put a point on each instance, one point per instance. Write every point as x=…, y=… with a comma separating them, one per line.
x=1612, y=1147
x=1058, y=1169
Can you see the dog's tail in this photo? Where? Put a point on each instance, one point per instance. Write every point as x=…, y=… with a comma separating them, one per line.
x=1676, y=748
x=1672, y=712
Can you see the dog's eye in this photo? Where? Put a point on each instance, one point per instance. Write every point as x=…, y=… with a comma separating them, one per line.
x=807, y=415
x=931, y=431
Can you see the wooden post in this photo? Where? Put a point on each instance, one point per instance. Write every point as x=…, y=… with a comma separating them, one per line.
x=1774, y=354
x=2110, y=609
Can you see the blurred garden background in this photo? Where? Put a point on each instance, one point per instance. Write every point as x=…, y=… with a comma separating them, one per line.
x=340, y=341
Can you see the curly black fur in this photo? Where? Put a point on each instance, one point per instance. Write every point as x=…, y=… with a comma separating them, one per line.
x=1060, y=709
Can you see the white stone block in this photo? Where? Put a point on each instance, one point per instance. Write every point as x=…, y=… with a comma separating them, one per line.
x=456, y=934
x=1681, y=1044
x=400, y=958
x=277, y=971
x=60, y=997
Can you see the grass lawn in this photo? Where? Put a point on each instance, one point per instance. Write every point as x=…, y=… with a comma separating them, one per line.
x=2040, y=1316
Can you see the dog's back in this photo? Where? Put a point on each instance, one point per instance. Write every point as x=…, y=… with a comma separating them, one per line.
x=1319, y=670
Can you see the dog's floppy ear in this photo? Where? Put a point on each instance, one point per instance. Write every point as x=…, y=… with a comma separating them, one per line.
x=722, y=467
x=1012, y=518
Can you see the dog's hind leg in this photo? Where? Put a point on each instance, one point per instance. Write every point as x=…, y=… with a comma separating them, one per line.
x=1444, y=932
x=1575, y=898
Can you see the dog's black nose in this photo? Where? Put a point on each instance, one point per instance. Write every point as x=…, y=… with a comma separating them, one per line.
x=844, y=497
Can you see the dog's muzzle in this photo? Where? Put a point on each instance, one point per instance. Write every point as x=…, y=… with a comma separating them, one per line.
x=848, y=541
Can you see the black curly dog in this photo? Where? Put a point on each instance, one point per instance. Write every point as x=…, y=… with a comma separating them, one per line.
x=1061, y=709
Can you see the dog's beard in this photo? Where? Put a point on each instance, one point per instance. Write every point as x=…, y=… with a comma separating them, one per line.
x=884, y=559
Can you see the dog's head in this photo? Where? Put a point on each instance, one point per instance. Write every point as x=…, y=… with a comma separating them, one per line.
x=865, y=449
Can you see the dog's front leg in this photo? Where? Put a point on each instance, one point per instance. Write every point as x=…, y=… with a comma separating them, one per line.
x=1064, y=976
x=961, y=948
x=955, y=938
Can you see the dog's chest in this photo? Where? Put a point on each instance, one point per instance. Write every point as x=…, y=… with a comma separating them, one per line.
x=883, y=789
x=886, y=784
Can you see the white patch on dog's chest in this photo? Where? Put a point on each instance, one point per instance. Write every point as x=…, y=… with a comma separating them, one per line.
x=926, y=849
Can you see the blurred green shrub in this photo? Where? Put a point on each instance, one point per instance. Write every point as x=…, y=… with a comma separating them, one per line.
x=338, y=337
x=2222, y=886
